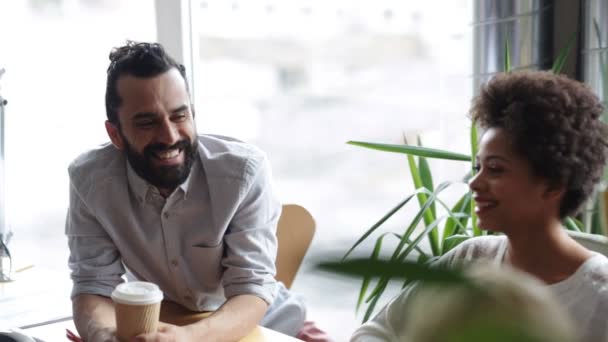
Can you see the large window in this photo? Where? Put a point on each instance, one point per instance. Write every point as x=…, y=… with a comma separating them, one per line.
x=300, y=78
x=56, y=54
x=296, y=78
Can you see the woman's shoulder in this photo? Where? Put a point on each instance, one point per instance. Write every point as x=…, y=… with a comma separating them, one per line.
x=587, y=291
x=480, y=247
x=589, y=284
x=595, y=272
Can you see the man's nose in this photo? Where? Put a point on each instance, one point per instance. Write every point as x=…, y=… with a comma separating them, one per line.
x=168, y=133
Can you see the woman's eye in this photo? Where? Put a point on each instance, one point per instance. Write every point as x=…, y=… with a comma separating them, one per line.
x=495, y=169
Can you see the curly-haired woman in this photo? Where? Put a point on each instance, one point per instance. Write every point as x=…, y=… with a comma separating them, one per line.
x=541, y=153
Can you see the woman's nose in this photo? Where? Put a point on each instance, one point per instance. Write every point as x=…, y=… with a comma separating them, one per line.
x=475, y=182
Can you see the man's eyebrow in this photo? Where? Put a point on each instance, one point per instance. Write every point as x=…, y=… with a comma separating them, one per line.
x=180, y=109
x=144, y=115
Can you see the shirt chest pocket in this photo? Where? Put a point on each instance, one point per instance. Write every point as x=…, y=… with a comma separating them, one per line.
x=206, y=268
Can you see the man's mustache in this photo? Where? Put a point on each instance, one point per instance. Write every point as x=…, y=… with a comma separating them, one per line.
x=152, y=149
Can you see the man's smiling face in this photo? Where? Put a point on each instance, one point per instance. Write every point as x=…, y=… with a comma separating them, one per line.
x=156, y=128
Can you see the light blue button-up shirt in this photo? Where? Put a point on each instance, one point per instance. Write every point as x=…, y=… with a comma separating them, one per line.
x=213, y=238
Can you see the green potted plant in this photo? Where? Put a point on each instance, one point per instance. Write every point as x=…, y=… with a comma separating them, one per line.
x=444, y=226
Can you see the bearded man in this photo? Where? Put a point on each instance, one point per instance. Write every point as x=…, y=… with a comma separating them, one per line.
x=194, y=214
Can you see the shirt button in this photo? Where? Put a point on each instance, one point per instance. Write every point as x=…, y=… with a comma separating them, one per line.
x=166, y=215
x=174, y=262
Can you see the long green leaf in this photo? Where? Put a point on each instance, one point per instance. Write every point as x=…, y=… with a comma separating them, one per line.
x=362, y=267
x=432, y=197
x=413, y=150
x=560, y=61
x=427, y=179
x=380, y=222
x=601, y=210
x=597, y=216
x=598, y=34
x=572, y=225
x=459, y=218
x=414, y=242
x=378, y=290
x=370, y=308
x=367, y=279
x=391, y=269
x=439, y=189
x=383, y=282
x=604, y=74
x=507, y=56
x=375, y=256
x=422, y=198
x=474, y=139
x=405, y=237
x=462, y=206
x=474, y=149
x=416, y=179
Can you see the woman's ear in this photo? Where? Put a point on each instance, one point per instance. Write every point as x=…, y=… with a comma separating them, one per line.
x=114, y=134
x=555, y=191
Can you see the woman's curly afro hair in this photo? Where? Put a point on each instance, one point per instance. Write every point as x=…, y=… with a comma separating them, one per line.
x=554, y=123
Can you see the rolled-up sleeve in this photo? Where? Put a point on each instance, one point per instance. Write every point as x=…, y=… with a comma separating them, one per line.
x=94, y=261
x=250, y=241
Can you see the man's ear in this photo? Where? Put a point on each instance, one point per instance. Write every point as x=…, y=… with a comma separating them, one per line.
x=114, y=135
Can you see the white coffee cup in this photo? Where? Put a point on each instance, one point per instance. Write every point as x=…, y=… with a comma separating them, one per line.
x=137, y=308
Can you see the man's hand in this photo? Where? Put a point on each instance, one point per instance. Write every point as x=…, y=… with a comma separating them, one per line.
x=232, y=321
x=166, y=333
x=102, y=335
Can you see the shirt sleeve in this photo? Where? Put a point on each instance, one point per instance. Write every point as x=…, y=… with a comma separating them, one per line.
x=94, y=261
x=250, y=241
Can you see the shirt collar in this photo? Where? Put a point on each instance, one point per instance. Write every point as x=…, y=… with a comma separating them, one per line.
x=138, y=186
x=141, y=188
x=186, y=184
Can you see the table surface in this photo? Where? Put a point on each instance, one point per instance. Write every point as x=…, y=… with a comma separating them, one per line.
x=38, y=301
x=56, y=332
x=36, y=295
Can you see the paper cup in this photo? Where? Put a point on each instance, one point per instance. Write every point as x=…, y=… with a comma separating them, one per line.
x=137, y=308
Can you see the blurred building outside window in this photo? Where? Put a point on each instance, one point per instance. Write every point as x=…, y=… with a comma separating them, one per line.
x=300, y=78
x=56, y=53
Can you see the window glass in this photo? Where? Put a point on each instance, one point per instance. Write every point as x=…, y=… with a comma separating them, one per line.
x=300, y=78
x=55, y=54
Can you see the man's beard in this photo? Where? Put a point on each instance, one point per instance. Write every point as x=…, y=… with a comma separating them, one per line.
x=162, y=177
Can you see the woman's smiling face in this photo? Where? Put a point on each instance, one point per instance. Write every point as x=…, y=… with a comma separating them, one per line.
x=506, y=192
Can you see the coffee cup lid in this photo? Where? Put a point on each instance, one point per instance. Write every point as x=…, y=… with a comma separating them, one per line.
x=137, y=293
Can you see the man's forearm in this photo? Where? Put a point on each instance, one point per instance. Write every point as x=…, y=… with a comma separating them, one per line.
x=92, y=314
x=232, y=321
